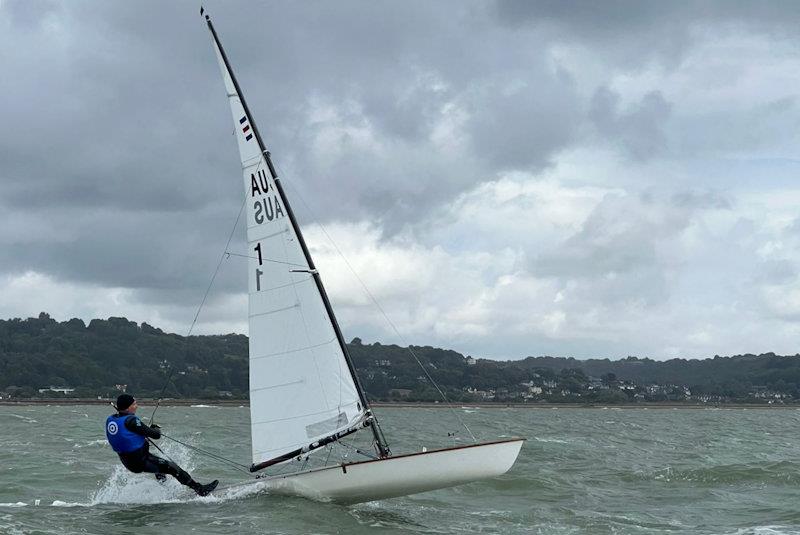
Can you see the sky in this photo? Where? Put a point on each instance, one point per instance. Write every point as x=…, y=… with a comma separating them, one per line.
x=503, y=178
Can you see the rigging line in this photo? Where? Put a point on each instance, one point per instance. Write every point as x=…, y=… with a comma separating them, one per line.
x=160, y=450
x=357, y=450
x=281, y=469
x=383, y=313
x=222, y=257
x=238, y=466
x=161, y=395
x=266, y=259
x=203, y=302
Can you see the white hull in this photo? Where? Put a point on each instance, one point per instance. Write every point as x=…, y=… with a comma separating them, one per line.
x=400, y=475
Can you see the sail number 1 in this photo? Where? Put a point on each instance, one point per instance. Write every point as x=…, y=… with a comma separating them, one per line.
x=257, y=249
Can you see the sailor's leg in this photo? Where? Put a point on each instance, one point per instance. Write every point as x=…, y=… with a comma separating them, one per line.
x=156, y=465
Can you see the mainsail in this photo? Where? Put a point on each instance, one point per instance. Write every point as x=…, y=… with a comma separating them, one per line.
x=303, y=389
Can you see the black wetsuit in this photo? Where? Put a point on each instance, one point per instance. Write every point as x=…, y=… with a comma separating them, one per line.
x=142, y=460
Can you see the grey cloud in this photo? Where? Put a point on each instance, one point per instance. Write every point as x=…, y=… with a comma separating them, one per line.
x=627, y=249
x=523, y=128
x=699, y=200
x=117, y=145
x=775, y=272
x=639, y=129
x=759, y=127
x=589, y=17
x=634, y=32
x=159, y=251
x=29, y=14
x=793, y=230
x=617, y=254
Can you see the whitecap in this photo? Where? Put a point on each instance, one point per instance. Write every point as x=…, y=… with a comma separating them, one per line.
x=767, y=530
x=90, y=443
x=17, y=504
x=25, y=418
x=59, y=503
x=553, y=440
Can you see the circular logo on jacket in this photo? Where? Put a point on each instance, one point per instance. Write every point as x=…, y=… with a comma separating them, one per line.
x=112, y=428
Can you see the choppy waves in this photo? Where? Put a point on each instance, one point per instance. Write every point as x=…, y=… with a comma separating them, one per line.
x=777, y=473
x=581, y=472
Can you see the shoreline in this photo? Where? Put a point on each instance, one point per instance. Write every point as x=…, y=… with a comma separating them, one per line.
x=411, y=405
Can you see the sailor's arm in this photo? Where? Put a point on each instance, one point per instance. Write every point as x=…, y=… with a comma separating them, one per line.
x=134, y=424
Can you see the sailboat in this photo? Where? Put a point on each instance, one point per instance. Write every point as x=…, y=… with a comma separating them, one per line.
x=304, y=390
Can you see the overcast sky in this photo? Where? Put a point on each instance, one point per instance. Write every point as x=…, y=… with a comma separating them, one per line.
x=507, y=178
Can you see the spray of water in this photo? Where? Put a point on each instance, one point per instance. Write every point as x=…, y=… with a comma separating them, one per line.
x=123, y=487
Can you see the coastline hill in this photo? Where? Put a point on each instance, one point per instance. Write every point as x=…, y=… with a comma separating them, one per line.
x=40, y=357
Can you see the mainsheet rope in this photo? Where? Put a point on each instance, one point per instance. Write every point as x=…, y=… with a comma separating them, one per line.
x=239, y=466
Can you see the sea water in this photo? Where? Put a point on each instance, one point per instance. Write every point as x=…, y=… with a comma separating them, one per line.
x=614, y=471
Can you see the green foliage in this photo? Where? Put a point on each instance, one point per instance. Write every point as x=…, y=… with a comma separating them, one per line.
x=40, y=352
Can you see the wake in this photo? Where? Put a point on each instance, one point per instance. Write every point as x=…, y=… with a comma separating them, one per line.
x=126, y=488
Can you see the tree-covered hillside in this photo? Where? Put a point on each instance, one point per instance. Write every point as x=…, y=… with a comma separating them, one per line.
x=106, y=356
x=41, y=352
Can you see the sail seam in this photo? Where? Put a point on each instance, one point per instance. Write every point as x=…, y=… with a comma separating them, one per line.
x=268, y=355
x=296, y=305
x=245, y=165
x=262, y=225
x=293, y=417
x=288, y=284
x=299, y=381
x=278, y=233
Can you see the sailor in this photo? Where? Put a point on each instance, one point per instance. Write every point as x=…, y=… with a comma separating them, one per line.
x=129, y=437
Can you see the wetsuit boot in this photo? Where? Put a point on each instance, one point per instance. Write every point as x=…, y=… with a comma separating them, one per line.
x=204, y=490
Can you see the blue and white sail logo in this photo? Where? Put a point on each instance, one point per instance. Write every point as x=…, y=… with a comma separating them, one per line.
x=112, y=428
x=248, y=135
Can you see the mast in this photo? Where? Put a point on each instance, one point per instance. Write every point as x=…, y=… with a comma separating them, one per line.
x=372, y=422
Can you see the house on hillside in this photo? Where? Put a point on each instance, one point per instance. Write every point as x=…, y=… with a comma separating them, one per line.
x=57, y=389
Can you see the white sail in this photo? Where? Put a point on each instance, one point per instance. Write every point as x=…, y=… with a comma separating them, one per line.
x=301, y=389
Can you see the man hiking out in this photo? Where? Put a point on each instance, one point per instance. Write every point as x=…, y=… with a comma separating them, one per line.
x=129, y=437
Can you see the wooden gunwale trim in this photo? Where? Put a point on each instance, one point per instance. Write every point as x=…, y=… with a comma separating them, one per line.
x=439, y=450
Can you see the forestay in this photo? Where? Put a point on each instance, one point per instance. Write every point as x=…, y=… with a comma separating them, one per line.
x=301, y=389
